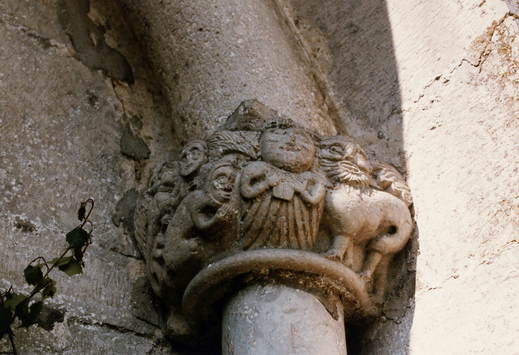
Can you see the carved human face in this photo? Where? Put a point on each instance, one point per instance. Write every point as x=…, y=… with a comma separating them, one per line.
x=193, y=156
x=287, y=148
x=222, y=184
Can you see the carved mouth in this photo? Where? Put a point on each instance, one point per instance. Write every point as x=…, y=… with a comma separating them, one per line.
x=345, y=172
x=225, y=194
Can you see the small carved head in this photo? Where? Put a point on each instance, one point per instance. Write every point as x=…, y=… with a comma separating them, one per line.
x=220, y=184
x=192, y=157
x=343, y=160
x=288, y=147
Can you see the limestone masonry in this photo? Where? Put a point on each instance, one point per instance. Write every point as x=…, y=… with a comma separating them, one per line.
x=136, y=103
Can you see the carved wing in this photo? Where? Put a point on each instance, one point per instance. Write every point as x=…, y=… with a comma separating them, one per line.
x=390, y=180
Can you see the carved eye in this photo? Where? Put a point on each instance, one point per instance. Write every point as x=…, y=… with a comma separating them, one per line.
x=195, y=154
x=336, y=149
x=222, y=179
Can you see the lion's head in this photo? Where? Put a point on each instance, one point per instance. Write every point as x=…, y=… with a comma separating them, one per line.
x=344, y=161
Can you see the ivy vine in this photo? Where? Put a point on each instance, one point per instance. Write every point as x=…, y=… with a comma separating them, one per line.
x=25, y=309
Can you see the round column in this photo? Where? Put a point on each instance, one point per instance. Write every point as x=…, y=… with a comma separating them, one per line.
x=275, y=319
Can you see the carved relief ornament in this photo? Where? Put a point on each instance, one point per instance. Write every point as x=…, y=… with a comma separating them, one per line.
x=261, y=199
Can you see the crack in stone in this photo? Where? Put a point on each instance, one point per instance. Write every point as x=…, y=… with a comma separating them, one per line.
x=44, y=41
x=486, y=38
x=437, y=78
x=118, y=328
x=147, y=322
x=126, y=330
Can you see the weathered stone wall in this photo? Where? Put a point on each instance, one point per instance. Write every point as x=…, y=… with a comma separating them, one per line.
x=427, y=86
x=72, y=127
x=460, y=132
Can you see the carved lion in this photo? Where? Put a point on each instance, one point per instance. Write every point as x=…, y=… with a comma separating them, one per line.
x=357, y=215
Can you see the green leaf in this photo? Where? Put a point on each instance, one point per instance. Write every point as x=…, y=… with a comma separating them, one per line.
x=12, y=300
x=61, y=261
x=72, y=268
x=33, y=274
x=78, y=255
x=49, y=290
x=6, y=318
x=70, y=265
x=77, y=237
x=34, y=312
x=22, y=309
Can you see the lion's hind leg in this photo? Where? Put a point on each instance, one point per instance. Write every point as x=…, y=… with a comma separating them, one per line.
x=370, y=265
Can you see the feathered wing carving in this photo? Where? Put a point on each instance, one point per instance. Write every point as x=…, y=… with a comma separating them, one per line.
x=390, y=180
x=226, y=142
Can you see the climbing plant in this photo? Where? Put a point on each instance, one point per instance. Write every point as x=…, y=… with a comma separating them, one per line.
x=23, y=310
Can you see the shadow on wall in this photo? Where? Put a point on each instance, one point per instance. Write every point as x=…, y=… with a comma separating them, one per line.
x=513, y=5
x=352, y=42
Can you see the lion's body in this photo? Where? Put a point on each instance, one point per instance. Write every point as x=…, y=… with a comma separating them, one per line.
x=363, y=214
x=367, y=218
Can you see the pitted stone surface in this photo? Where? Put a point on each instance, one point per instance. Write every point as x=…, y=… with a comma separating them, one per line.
x=445, y=87
x=279, y=320
x=60, y=130
x=214, y=54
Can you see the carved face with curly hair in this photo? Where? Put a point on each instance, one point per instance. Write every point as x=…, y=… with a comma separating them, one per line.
x=287, y=147
x=344, y=161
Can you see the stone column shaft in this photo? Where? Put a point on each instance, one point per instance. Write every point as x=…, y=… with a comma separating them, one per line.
x=279, y=320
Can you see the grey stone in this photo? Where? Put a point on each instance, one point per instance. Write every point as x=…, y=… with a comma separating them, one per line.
x=275, y=319
x=125, y=209
x=222, y=200
x=134, y=147
x=144, y=301
x=73, y=337
x=215, y=54
x=437, y=78
x=89, y=42
x=60, y=126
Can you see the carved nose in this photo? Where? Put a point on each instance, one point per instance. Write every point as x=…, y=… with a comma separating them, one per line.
x=364, y=165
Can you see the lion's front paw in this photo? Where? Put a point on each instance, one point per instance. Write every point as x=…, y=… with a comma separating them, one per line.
x=333, y=255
